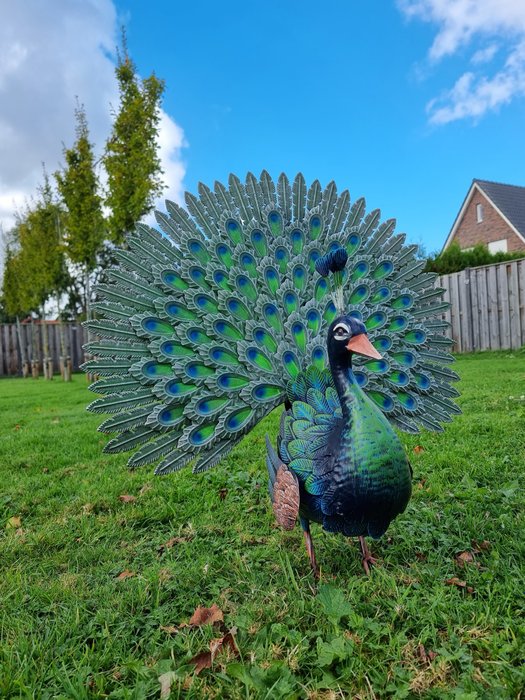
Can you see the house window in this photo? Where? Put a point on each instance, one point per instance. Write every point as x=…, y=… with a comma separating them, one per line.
x=479, y=212
x=498, y=246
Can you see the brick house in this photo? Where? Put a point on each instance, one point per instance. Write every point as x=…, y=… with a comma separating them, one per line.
x=492, y=214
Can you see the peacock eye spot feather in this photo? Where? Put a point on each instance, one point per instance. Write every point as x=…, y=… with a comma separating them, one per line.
x=220, y=317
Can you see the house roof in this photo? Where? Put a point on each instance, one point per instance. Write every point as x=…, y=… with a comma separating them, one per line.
x=509, y=200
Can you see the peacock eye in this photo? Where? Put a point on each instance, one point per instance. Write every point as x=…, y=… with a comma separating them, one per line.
x=341, y=331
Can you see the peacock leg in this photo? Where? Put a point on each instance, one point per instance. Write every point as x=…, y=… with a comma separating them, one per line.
x=305, y=524
x=367, y=559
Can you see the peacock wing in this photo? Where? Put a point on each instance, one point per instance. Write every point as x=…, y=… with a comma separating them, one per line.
x=310, y=429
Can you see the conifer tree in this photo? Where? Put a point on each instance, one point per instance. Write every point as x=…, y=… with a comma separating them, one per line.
x=42, y=257
x=131, y=156
x=84, y=225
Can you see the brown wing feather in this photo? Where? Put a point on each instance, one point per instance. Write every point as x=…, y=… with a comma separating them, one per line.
x=286, y=498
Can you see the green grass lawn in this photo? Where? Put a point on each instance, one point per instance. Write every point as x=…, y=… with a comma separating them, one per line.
x=72, y=627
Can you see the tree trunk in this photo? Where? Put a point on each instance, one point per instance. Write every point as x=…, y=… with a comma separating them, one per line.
x=48, y=362
x=89, y=375
x=35, y=352
x=65, y=360
x=23, y=355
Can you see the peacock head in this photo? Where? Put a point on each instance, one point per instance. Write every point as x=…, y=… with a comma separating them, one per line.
x=347, y=334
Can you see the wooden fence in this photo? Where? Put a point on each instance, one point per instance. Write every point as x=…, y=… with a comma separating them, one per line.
x=487, y=312
x=487, y=306
x=32, y=336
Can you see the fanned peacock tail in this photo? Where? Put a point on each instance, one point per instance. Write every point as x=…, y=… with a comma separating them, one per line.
x=203, y=326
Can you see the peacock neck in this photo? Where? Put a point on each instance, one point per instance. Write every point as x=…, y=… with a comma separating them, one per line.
x=345, y=382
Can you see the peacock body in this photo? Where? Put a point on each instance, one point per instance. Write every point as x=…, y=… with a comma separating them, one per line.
x=262, y=294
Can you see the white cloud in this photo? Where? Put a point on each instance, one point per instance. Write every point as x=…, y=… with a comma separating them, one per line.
x=490, y=24
x=171, y=143
x=51, y=54
x=484, y=55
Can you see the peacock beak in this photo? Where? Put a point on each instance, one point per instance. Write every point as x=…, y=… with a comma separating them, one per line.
x=362, y=346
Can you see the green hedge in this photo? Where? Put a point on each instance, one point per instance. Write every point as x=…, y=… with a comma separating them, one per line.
x=453, y=259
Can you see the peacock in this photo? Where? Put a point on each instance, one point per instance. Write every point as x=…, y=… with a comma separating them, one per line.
x=262, y=294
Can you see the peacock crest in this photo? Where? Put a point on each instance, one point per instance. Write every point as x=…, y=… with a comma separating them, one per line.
x=203, y=325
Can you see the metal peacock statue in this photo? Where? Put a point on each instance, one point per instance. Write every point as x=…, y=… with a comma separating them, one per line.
x=263, y=294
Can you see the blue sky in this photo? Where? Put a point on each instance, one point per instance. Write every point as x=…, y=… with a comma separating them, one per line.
x=402, y=101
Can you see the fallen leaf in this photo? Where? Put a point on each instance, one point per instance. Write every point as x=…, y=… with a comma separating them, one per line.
x=125, y=574
x=418, y=449
x=206, y=616
x=421, y=556
x=455, y=581
x=206, y=658
x=170, y=629
x=424, y=655
x=481, y=546
x=126, y=498
x=165, y=684
x=464, y=558
x=421, y=484
x=17, y=426
x=202, y=661
x=223, y=493
x=14, y=522
x=229, y=639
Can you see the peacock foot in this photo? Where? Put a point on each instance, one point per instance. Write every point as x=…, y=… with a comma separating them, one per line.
x=367, y=560
x=311, y=553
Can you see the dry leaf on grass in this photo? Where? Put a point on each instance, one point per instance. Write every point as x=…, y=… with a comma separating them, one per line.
x=206, y=658
x=165, y=684
x=206, y=616
x=418, y=449
x=14, y=522
x=484, y=545
x=426, y=656
x=126, y=498
x=455, y=581
x=125, y=574
x=466, y=557
x=201, y=616
x=201, y=661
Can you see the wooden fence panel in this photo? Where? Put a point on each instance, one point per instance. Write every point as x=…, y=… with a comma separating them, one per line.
x=32, y=340
x=487, y=309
